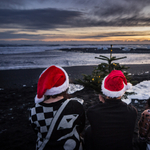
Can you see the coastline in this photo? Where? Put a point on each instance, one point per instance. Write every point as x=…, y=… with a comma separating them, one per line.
x=17, y=92
x=107, y=50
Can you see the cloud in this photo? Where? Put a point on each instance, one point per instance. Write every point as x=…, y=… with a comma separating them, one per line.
x=44, y=19
x=14, y=35
x=114, y=34
x=103, y=6
x=50, y=14
x=11, y=3
x=120, y=7
x=114, y=22
x=20, y=35
x=37, y=18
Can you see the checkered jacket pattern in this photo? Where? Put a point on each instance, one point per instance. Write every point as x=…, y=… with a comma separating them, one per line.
x=42, y=115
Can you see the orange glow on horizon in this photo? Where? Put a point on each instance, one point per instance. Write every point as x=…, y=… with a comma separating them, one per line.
x=97, y=40
x=20, y=39
x=105, y=39
x=86, y=34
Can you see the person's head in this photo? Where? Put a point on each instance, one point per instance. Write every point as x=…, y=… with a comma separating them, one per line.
x=148, y=104
x=115, y=84
x=53, y=81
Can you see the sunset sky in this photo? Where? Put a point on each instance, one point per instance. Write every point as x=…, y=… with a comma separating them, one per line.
x=75, y=21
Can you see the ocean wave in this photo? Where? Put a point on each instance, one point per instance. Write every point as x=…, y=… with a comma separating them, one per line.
x=18, y=49
x=41, y=58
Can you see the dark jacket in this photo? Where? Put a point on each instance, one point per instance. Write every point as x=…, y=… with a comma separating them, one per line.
x=112, y=125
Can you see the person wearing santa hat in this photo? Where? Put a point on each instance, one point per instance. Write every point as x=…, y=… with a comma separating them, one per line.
x=111, y=121
x=57, y=121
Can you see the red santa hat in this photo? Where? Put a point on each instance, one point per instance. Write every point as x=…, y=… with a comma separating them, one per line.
x=115, y=84
x=52, y=81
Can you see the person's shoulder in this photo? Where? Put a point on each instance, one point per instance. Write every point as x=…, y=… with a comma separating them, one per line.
x=35, y=108
x=146, y=112
x=132, y=108
x=96, y=106
x=76, y=101
x=75, y=106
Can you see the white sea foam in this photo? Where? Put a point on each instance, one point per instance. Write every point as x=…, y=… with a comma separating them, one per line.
x=23, y=57
x=74, y=88
x=15, y=49
x=140, y=91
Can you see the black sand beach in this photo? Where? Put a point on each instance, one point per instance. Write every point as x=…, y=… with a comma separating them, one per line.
x=17, y=92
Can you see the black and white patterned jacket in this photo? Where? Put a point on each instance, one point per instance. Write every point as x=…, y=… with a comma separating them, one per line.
x=66, y=132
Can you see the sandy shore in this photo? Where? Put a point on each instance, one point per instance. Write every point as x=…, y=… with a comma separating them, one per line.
x=17, y=92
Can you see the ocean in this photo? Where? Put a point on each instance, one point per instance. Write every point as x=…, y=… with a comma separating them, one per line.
x=42, y=56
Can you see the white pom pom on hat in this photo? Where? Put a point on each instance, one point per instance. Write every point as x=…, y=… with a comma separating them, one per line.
x=115, y=84
x=52, y=81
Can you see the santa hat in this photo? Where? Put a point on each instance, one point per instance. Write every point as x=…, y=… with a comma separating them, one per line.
x=52, y=81
x=115, y=84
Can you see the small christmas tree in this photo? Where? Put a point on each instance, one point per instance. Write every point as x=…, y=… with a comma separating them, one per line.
x=94, y=81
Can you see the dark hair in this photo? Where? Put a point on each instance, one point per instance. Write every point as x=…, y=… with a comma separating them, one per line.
x=148, y=104
x=64, y=94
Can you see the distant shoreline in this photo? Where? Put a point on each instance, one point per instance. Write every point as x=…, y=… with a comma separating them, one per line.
x=114, y=50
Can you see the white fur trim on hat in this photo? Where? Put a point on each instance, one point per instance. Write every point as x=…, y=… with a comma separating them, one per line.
x=39, y=100
x=128, y=86
x=114, y=94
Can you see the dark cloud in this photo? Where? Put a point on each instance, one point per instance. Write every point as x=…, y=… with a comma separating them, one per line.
x=113, y=22
x=5, y=4
x=28, y=16
x=120, y=8
x=73, y=13
x=43, y=19
x=96, y=6
x=14, y=35
x=11, y=3
x=117, y=10
x=37, y=18
x=116, y=34
x=87, y=14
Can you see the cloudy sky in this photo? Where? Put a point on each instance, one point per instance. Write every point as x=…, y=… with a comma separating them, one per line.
x=91, y=21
